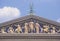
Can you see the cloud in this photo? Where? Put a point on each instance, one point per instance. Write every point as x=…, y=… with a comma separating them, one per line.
x=58, y=20
x=8, y=13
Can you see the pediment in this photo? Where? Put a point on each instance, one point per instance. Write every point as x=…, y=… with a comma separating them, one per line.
x=29, y=18
x=29, y=24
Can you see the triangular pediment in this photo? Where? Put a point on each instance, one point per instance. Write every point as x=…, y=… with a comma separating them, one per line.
x=29, y=18
x=29, y=24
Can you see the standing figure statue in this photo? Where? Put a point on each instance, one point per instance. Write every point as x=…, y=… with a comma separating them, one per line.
x=31, y=25
x=18, y=29
x=37, y=27
x=10, y=30
x=26, y=27
x=46, y=28
x=3, y=30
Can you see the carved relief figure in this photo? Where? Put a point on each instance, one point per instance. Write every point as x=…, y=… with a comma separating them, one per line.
x=46, y=27
x=58, y=31
x=10, y=30
x=31, y=25
x=37, y=27
x=3, y=30
x=26, y=27
x=18, y=29
x=53, y=30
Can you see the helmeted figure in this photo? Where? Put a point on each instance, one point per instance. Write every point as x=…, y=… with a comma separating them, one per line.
x=18, y=29
x=37, y=27
x=10, y=30
x=26, y=27
x=31, y=25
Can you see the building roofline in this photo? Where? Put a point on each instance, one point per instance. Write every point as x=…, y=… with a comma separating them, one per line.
x=28, y=17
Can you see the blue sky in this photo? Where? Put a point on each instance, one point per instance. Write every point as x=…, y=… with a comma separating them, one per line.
x=49, y=9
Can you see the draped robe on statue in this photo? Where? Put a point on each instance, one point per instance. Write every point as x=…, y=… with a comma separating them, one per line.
x=37, y=27
x=2, y=30
x=46, y=27
x=26, y=27
x=53, y=30
x=10, y=30
x=18, y=29
x=31, y=25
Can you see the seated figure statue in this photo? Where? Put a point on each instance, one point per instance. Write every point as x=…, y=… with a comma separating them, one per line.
x=53, y=30
x=31, y=25
x=26, y=27
x=10, y=30
x=37, y=27
x=18, y=29
x=2, y=30
x=46, y=28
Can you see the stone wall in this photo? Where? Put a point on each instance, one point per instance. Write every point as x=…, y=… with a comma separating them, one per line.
x=30, y=37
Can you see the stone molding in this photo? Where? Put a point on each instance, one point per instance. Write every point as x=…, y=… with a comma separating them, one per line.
x=29, y=36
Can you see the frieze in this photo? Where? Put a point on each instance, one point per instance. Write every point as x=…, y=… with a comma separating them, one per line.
x=30, y=27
